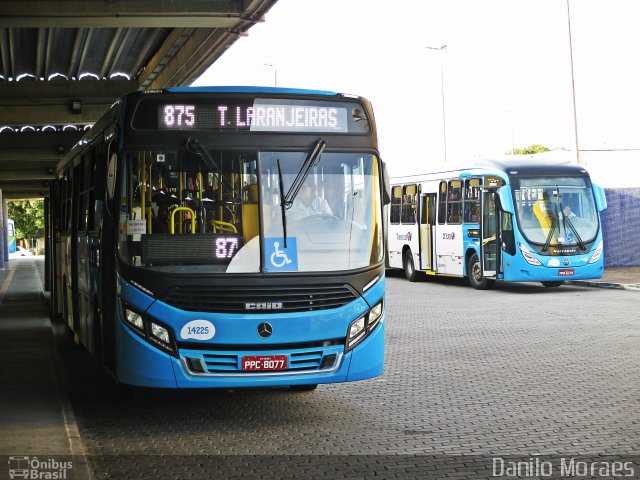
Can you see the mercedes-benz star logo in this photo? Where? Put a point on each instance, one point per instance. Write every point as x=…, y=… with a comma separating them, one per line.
x=265, y=330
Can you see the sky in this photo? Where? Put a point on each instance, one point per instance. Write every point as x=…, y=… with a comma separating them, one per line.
x=503, y=80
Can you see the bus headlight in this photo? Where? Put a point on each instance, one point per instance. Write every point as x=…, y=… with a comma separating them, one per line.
x=160, y=333
x=134, y=319
x=528, y=256
x=361, y=328
x=150, y=329
x=597, y=254
x=375, y=315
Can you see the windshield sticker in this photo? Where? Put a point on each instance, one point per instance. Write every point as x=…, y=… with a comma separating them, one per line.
x=279, y=258
x=136, y=227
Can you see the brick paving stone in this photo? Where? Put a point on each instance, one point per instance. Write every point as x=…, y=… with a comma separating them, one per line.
x=518, y=370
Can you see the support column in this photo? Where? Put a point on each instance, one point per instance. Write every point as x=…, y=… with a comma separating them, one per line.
x=47, y=247
x=4, y=246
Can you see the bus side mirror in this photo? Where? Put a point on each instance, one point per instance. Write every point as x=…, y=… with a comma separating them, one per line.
x=601, y=199
x=506, y=202
x=386, y=185
x=111, y=175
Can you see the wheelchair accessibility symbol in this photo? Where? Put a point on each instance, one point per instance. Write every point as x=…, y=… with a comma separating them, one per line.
x=279, y=258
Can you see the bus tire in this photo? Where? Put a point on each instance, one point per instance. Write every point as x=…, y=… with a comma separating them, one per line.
x=303, y=388
x=474, y=272
x=409, y=266
x=553, y=283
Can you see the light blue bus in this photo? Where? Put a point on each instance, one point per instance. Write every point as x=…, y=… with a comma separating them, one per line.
x=512, y=220
x=182, y=257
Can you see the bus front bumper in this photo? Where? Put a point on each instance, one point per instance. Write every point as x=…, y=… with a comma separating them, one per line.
x=141, y=364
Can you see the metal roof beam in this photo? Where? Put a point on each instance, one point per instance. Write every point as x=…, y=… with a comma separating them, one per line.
x=27, y=156
x=138, y=14
x=16, y=92
x=17, y=177
x=50, y=114
x=37, y=190
x=39, y=139
x=199, y=51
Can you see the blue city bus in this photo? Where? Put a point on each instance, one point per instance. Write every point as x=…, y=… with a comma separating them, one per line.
x=511, y=220
x=181, y=259
x=11, y=235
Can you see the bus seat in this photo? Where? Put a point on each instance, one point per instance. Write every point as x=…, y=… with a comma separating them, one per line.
x=252, y=193
x=543, y=217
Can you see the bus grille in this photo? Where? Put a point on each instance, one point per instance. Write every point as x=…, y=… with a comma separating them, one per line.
x=284, y=298
x=230, y=363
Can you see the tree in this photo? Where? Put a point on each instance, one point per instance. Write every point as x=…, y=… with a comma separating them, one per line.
x=29, y=218
x=530, y=150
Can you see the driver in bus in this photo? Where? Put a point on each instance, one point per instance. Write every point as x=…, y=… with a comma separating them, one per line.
x=566, y=211
x=308, y=203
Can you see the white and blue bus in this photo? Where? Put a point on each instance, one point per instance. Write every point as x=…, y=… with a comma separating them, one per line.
x=180, y=262
x=11, y=235
x=512, y=220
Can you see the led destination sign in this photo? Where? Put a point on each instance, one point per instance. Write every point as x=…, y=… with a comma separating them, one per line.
x=246, y=113
x=258, y=117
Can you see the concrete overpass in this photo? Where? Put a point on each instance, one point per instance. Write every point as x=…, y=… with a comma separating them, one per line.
x=63, y=63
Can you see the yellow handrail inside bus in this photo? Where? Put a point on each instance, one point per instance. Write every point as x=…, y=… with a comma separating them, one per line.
x=182, y=209
x=224, y=227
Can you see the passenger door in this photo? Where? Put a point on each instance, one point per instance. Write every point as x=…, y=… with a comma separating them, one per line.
x=489, y=234
x=427, y=230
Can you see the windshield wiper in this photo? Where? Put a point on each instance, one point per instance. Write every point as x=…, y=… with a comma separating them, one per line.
x=283, y=207
x=566, y=221
x=287, y=200
x=312, y=159
x=211, y=164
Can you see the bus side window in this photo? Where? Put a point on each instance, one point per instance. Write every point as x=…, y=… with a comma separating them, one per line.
x=442, y=203
x=396, y=204
x=472, y=200
x=409, y=204
x=454, y=205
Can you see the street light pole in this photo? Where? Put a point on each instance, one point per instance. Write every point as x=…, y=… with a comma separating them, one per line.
x=573, y=87
x=444, y=124
x=275, y=73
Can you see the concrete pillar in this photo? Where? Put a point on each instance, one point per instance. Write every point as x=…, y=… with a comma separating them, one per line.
x=47, y=247
x=4, y=246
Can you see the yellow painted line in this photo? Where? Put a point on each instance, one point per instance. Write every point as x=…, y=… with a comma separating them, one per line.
x=5, y=284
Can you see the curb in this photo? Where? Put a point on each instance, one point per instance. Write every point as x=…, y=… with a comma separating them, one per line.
x=618, y=286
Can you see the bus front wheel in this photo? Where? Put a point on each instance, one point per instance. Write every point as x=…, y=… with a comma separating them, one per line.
x=474, y=271
x=409, y=267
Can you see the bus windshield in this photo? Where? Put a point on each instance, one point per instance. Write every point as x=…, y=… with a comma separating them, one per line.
x=556, y=211
x=215, y=211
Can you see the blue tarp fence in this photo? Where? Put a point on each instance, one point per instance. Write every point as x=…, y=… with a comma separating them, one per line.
x=621, y=227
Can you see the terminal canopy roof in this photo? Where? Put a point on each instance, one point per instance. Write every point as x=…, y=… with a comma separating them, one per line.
x=62, y=63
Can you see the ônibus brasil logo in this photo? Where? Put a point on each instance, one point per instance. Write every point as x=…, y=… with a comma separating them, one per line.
x=406, y=237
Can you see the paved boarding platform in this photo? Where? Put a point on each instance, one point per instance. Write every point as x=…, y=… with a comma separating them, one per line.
x=36, y=421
